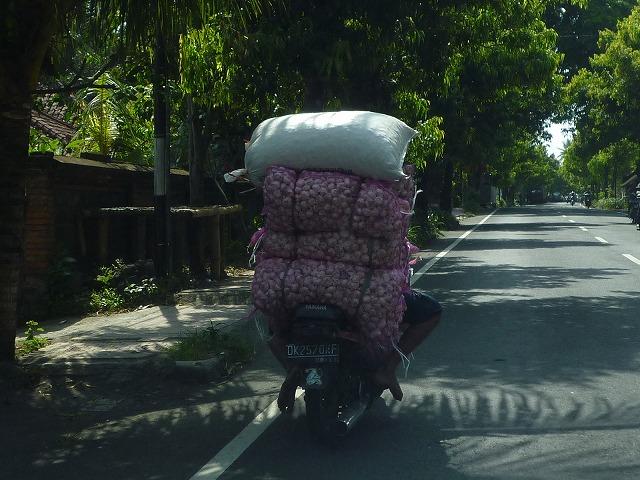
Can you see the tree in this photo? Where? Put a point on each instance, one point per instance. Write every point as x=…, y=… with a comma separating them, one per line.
x=28, y=27
x=578, y=24
x=500, y=83
x=607, y=110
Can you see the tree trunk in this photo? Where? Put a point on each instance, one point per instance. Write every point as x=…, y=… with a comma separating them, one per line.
x=446, y=198
x=26, y=29
x=197, y=154
x=14, y=145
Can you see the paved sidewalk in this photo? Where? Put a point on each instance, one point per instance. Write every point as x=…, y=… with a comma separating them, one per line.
x=129, y=339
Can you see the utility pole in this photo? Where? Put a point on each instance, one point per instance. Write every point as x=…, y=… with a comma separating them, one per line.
x=162, y=253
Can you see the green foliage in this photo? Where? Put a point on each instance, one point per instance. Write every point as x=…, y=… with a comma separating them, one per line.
x=232, y=350
x=427, y=225
x=109, y=275
x=526, y=166
x=578, y=24
x=115, y=120
x=428, y=144
x=604, y=98
x=106, y=300
x=611, y=203
x=471, y=202
x=119, y=287
x=38, y=142
x=474, y=78
x=32, y=341
x=146, y=288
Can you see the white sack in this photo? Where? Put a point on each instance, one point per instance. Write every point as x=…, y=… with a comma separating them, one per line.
x=366, y=144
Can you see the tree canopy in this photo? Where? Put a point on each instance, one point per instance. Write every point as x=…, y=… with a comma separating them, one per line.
x=606, y=109
x=478, y=80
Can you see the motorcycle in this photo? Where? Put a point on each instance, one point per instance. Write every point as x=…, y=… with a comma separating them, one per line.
x=587, y=202
x=334, y=371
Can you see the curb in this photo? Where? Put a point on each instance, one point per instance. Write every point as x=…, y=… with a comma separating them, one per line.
x=148, y=363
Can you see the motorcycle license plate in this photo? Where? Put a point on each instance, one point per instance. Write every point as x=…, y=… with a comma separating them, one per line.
x=314, y=352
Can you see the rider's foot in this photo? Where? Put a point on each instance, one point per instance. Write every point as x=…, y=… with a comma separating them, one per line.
x=386, y=378
x=287, y=395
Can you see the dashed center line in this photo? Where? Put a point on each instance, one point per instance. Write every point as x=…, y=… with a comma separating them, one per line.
x=601, y=240
x=631, y=257
x=572, y=221
x=564, y=216
x=584, y=229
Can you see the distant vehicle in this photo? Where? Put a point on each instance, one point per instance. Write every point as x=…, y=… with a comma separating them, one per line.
x=535, y=196
x=555, y=197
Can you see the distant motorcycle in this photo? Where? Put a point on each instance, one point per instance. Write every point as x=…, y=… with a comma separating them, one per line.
x=634, y=212
x=587, y=201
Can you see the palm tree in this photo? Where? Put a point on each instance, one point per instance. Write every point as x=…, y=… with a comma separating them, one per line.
x=27, y=28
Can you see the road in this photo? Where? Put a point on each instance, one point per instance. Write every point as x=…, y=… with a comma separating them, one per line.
x=534, y=373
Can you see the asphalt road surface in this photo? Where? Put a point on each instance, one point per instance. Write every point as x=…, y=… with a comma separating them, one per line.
x=534, y=373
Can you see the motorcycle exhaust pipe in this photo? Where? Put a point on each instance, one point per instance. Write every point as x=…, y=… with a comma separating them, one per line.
x=349, y=417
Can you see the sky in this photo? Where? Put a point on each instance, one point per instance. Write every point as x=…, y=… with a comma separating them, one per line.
x=558, y=137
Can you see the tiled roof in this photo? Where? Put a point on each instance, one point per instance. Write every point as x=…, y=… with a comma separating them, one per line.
x=52, y=127
x=48, y=118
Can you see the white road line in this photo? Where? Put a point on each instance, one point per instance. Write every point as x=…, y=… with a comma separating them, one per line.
x=564, y=216
x=631, y=257
x=583, y=229
x=601, y=240
x=572, y=221
x=232, y=450
x=425, y=268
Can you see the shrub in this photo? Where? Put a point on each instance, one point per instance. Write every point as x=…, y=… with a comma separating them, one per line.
x=120, y=286
x=611, y=203
x=427, y=225
x=472, y=202
x=106, y=300
x=33, y=341
x=233, y=350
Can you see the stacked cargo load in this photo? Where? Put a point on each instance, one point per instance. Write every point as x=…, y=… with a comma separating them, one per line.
x=339, y=239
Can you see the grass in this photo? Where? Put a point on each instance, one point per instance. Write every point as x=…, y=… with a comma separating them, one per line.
x=33, y=341
x=231, y=349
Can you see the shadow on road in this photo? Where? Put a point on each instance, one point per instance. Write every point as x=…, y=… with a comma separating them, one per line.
x=471, y=244
x=455, y=280
x=124, y=424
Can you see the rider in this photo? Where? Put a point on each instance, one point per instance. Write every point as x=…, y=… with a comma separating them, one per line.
x=420, y=318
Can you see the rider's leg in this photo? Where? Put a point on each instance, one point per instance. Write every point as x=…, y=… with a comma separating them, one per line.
x=411, y=338
x=420, y=318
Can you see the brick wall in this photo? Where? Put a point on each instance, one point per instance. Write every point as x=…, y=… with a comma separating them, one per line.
x=58, y=190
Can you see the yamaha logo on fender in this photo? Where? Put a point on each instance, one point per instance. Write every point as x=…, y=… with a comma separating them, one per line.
x=316, y=307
